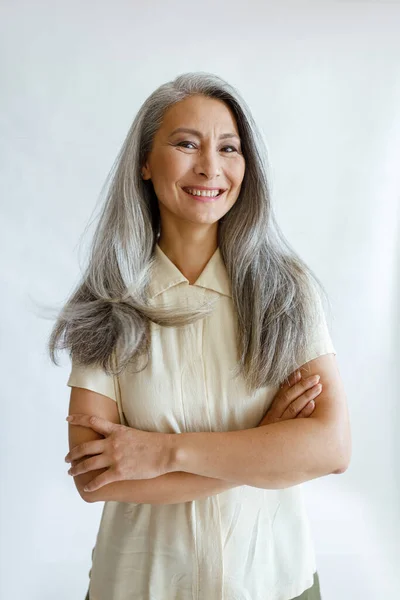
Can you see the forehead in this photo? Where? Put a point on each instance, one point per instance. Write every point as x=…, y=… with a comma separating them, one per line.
x=199, y=112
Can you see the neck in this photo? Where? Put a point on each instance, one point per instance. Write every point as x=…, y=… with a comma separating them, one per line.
x=189, y=254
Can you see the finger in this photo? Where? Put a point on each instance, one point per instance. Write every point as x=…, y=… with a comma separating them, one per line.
x=291, y=379
x=296, y=406
x=85, y=449
x=98, y=482
x=90, y=464
x=97, y=423
x=301, y=387
x=307, y=410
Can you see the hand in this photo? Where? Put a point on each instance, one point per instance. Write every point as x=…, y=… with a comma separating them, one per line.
x=127, y=452
x=294, y=399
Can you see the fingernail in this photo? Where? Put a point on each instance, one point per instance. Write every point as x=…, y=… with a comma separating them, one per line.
x=69, y=418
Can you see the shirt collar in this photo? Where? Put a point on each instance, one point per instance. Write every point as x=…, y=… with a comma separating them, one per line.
x=165, y=275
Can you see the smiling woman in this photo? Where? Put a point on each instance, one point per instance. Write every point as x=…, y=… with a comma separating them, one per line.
x=189, y=271
x=176, y=166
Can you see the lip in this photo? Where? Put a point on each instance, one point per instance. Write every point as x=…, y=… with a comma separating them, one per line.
x=203, y=187
x=204, y=198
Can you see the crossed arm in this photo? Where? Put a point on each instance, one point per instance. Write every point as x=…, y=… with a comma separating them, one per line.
x=170, y=488
x=270, y=456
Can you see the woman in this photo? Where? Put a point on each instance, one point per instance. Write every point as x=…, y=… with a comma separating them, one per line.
x=188, y=335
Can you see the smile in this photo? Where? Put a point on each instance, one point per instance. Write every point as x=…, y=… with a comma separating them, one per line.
x=204, y=195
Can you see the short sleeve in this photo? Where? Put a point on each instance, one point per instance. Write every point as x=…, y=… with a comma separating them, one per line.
x=93, y=378
x=321, y=341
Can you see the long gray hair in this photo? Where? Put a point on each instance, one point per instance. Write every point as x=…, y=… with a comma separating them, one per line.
x=273, y=291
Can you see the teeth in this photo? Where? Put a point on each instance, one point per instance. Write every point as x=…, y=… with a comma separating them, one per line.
x=207, y=193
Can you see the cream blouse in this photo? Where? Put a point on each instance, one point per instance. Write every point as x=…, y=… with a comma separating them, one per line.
x=246, y=543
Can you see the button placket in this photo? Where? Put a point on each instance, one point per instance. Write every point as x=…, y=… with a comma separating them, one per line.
x=211, y=568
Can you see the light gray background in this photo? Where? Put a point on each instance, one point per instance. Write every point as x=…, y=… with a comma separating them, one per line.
x=322, y=79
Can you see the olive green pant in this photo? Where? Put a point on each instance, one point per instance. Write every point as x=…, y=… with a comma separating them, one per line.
x=313, y=593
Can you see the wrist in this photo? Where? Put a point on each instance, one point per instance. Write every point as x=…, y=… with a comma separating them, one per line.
x=175, y=452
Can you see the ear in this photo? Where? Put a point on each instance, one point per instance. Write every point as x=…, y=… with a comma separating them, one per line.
x=145, y=171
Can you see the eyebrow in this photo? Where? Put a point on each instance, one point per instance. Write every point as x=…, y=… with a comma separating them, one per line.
x=223, y=136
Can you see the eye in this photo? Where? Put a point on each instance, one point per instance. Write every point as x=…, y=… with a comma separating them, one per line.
x=185, y=144
x=233, y=148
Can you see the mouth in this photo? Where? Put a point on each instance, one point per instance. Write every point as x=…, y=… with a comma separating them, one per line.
x=204, y=195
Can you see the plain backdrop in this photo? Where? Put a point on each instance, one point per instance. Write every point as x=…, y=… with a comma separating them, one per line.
x=323, y=82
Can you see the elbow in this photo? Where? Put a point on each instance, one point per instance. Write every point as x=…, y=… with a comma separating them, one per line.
x=91, y=497
x=344, y=462
x=340, y=470
x=86, y=496
x=343, y=466
x=343, y=452
x=82, y=480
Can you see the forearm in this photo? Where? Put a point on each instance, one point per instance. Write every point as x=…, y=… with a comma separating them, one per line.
x=170, y=488
x=272, y=456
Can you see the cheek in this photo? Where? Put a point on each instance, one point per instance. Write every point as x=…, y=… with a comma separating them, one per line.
x=173, y=165
x=237, y=173
x=167, y=175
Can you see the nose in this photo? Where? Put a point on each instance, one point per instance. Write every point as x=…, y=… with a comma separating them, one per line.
x=208, y=164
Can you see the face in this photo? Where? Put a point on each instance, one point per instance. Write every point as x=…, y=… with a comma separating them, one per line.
x=182, y=163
